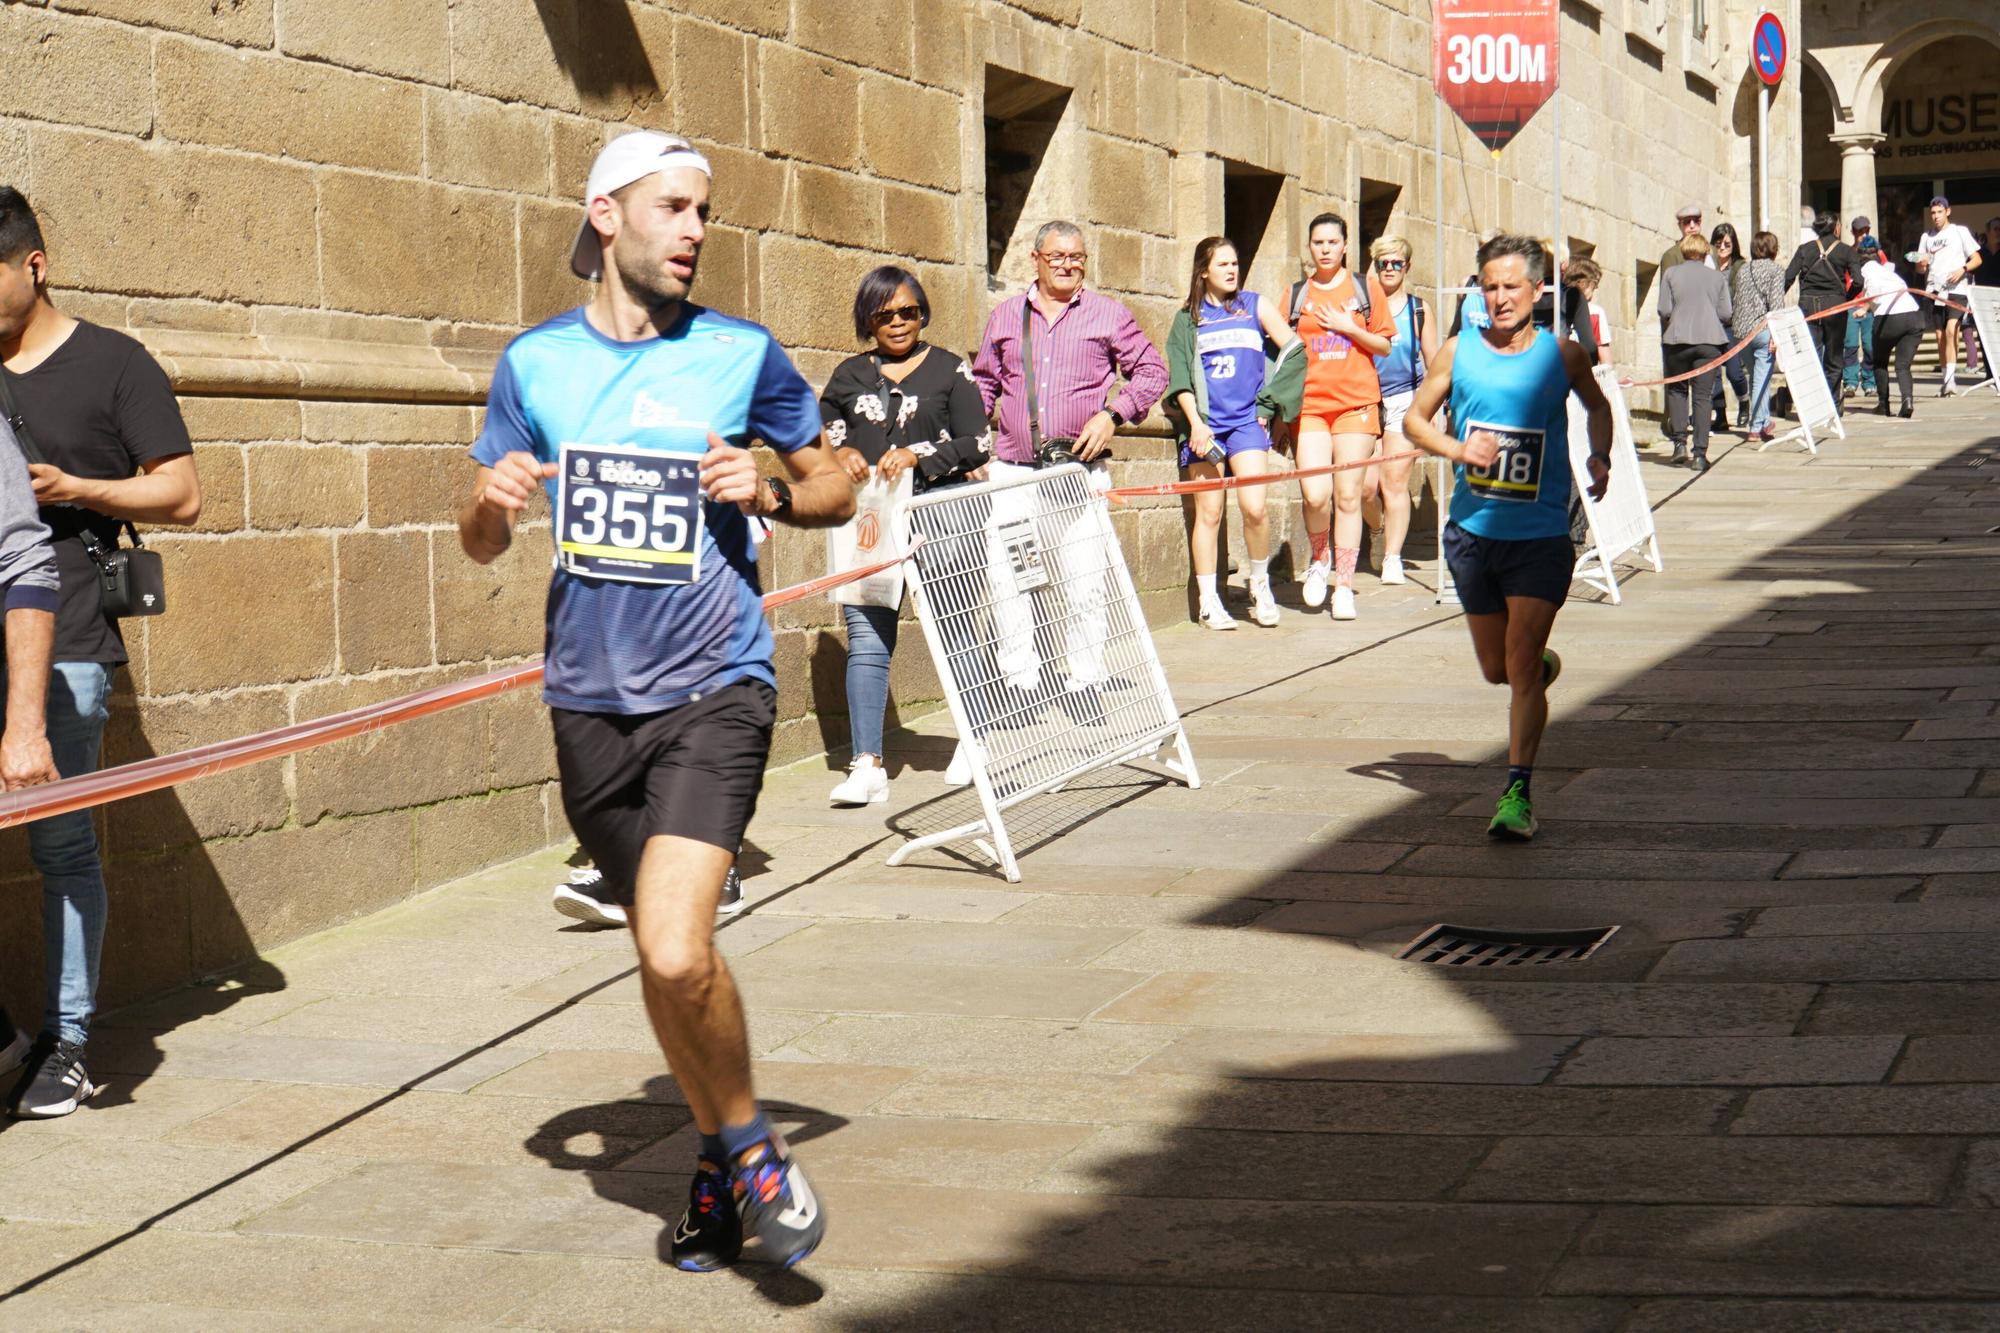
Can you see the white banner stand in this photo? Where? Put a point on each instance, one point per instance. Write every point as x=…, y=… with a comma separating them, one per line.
x=1623, y=520
x=1812, y=399
x=1047, y=663
x=1985, y=303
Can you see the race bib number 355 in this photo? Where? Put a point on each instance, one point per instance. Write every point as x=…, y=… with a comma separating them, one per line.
x=634, y=515
x=1516, y=474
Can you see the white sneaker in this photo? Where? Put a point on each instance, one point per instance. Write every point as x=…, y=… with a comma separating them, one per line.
x=1343, y=603
x=1313, y=593
x=1216, y=616
x=866, y=784
x=1392, y=569
x=958, y=773
x=1263, y=607
x=584, y=899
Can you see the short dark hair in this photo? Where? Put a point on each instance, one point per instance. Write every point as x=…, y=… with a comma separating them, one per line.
x=1322, y=220
x=1526, y=248
x=20, y=233
x=1825, y=224
x=878, y=288
x=1764, y=245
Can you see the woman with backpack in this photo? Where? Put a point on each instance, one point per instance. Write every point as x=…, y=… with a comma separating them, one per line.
x=1345, y=327
x=1217, y=400
x=1825, y=271
x=1388, y=490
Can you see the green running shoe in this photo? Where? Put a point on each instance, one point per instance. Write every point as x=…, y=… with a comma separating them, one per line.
x=1552, y=666
x=1515, y=817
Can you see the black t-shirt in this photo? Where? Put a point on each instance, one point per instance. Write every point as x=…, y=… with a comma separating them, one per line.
x=935, y=413
x=99, y=407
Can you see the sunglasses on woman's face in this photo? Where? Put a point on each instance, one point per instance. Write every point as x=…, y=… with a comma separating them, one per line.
x=896, y=314
x=1392, y=265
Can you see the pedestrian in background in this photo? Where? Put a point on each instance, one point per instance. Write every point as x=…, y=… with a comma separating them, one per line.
x=1216, y=399
x=1897, y=326
x=1586, y=275
x=1756, y=295
x=1401, y=371
x=1947, y=256
x=1730, y=261
x=1694, y=302
x=1824, y=269
x=1857, y=362
x=103, y=415
x=904, y=406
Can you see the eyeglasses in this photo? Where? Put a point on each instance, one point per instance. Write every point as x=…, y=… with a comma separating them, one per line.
x=896, y=314
x=1392, y=265
x=1065, y=261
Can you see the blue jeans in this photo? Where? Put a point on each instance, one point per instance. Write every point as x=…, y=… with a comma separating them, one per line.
x=1858, y=364
x=64, y=849
x=1759, y=354
x=871, y=641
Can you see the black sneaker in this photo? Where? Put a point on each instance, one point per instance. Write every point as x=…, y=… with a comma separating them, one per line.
x=777, y=1206
x=710, y=1234
x=14, y=1044
x=586, y=898
x=54, y=1084
x=1907, y=412
x=732, y=895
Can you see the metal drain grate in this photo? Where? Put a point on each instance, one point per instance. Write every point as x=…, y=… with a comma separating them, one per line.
x=1473, y=946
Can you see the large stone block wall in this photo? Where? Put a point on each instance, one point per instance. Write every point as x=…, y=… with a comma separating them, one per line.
x=327, y=216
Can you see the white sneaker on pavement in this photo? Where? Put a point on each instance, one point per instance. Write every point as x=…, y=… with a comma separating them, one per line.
x=1216, y=616
x=866, y=783
x=1343, y=603
x=1392, y=569
x=1313, y=591
x=1263, y=606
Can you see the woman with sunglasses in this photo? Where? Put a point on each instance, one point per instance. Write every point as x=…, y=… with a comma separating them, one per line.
x=1216, y=400
x=1733, y=264
x=1345, y=327
x=1387, y=490
x=904, y=406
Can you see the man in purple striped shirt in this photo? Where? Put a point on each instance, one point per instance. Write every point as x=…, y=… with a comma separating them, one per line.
x=1081, y=343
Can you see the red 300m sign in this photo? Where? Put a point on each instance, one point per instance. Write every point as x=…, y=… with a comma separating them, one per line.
x=1495, y=62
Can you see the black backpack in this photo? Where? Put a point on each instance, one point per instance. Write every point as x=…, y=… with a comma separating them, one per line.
x=1360, y=289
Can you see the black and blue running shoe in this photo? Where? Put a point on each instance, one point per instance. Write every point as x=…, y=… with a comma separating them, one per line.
x=777, y=1206
x=709, y=1235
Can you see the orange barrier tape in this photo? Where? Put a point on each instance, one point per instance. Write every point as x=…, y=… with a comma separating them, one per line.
x=1762, y=324
x=1201, y=484
x=149, y=775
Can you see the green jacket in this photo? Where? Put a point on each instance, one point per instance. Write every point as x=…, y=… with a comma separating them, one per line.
x=1284, y=379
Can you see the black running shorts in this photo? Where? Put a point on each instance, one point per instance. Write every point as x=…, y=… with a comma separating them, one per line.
x=689, y=772
x=1486, y=571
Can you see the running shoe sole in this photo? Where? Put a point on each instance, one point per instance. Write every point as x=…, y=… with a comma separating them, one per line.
x=1510, y=834
x=582, y=907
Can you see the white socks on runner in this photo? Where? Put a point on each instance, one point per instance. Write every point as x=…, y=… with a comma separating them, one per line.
x=1205, y=583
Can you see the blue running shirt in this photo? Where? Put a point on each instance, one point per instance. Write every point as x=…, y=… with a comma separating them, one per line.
x=619, y=647
x=1231, y=344
x=1524, y=399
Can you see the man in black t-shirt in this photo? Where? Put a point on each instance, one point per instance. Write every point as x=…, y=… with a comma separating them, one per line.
x=103, y=419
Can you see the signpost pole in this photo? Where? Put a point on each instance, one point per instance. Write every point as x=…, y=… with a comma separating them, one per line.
x=1556, y=241
x=1763, y=153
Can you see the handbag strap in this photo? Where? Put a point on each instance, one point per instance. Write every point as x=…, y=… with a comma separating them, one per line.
x=1028, y=369
x=18, y=422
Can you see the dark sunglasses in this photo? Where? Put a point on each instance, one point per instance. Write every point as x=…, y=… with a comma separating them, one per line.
x=896, y=313
x=1392, y=265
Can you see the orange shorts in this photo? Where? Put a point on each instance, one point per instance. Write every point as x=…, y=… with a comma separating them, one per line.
x=1355, y=421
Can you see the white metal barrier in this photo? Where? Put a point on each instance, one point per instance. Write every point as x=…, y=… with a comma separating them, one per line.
x=1048, y=666
x=1812, y=396
x=1623, y=520
x=1985, y=302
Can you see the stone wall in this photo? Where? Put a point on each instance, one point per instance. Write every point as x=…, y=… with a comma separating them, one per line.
x=327, y=216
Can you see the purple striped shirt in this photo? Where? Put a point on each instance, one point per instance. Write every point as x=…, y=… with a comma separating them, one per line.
x=1077, y=360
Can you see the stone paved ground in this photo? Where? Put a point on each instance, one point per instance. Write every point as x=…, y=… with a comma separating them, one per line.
x=1174, y=1078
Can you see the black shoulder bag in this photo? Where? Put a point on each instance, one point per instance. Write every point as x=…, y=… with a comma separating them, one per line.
x=132, y=581
x=1048, y=453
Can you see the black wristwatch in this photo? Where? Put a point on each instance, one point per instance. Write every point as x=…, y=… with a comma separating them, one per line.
x=781, y=496
x=1116, y=420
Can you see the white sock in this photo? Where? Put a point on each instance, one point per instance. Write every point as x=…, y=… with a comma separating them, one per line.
x=1950, y=376
x=1260, y=571
x=1206, y=582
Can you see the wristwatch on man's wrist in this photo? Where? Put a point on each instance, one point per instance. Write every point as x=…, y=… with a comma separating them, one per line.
x=1116, y=419
x=781, y=496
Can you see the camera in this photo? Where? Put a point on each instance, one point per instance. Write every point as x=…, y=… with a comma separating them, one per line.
x=1054, y=453
x=1215, y=454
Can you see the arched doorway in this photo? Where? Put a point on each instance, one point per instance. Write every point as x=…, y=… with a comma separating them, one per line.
x=1940, y=114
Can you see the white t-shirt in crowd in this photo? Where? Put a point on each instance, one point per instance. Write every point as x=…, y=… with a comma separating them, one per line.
x=1880, y=281
x=1949, y=250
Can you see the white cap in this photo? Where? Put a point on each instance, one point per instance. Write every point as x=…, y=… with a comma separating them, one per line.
x=629, y=157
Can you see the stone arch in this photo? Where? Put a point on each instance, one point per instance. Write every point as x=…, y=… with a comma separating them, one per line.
x=1841, y=106
x=1867, y=107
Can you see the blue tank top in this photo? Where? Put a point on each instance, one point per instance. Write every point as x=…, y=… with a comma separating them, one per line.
x=1523, y=399
x=1398, y=368
x=1230, y=342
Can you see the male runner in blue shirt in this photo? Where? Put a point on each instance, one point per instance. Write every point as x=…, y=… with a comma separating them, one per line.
x=1508, y=539
x=634, y=413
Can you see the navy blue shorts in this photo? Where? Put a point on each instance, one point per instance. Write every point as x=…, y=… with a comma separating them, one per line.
x=1234, y=440
x=1488, y=570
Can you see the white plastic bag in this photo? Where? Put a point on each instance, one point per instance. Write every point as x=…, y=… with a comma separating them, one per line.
x=879, y=530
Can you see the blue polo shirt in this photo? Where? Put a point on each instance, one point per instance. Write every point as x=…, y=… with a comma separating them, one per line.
x=634, y=648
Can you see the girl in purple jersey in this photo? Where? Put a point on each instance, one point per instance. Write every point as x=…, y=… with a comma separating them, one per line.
x=1215, y=365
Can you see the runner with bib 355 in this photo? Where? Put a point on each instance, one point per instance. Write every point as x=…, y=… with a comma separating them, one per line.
x=1507, y=540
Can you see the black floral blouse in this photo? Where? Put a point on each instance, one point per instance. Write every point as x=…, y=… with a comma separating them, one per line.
x=935, y=413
